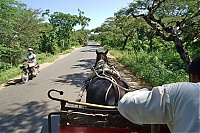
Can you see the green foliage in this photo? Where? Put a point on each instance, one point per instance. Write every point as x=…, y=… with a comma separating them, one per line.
x=182, y=16
x=9, y=73
x=156, y=68
x=61, y=33
x=194, y=47
x=4, y=66
x=49, y=42
x=162, y=29
x=80, y=36
x=20, y=28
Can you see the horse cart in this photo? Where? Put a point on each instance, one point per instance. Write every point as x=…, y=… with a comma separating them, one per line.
x=99, y=114
x=80, y=117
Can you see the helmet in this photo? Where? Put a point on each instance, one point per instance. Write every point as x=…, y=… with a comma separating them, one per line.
x=30, y=49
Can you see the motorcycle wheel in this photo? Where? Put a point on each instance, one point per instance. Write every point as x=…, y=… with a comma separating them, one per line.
x=24, y=77
x=37, y=70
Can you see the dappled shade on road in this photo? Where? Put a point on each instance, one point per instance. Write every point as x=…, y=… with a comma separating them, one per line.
x=85, y=64
x=72, y=79
x=30, y=115
x=89, y=50
x=77, y=78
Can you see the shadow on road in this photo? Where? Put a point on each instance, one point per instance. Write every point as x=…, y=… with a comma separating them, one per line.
x=14, y=82
x=31, y=116
x=72, y=79
x=93, y=47
x=90, y=50
x=78, y=77
x=84, y=64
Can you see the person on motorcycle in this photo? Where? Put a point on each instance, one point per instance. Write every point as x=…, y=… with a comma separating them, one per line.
x=31, y=57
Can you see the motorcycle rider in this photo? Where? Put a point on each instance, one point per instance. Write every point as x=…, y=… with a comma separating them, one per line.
x=31, y=57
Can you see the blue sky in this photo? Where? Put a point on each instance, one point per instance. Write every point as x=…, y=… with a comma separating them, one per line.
x=96, y=10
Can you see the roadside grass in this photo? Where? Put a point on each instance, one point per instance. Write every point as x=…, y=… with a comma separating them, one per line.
x=9, y=73
x=46, y=57
x=14, y=71
x=155, y=68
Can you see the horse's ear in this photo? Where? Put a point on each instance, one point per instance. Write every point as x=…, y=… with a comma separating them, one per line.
x=97, y=52
x=106, y=52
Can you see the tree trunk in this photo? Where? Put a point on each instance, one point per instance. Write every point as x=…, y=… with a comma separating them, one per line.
x=102, y=42
x=125, y=42
x=11, y=59
x=150, y=36
x=183, y=53
x=151, y=44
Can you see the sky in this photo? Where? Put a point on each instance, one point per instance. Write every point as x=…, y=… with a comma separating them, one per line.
x=96, y=10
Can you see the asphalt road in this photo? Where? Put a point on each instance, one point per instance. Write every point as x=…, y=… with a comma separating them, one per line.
x=24, y=107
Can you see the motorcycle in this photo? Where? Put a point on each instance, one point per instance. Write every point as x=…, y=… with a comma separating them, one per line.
x=85, y=42
x=28, y=70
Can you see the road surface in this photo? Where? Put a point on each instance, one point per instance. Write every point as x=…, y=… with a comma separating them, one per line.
x=24, y=107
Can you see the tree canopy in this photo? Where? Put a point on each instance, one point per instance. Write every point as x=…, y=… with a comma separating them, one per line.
x=153, y=24
x=172, y=20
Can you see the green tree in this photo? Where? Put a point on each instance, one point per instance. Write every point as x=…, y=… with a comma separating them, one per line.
x=49, y=39
x=81, y=35
x=172, y=20
x=109, y=33
x=64, y=24
x=127, y=26
x=20, y=28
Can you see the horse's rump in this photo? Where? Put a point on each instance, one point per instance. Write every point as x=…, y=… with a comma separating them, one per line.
x=102, y=91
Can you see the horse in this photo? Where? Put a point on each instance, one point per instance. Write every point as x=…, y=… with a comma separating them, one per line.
x=101, y=90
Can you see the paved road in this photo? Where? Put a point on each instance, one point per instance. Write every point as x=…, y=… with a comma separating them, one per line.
x=24, y=107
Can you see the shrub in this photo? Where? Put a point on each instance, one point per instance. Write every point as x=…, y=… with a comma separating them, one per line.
x=156, y=68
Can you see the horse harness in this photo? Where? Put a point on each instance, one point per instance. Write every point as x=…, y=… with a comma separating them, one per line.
x=107, y=72
x=111, y=86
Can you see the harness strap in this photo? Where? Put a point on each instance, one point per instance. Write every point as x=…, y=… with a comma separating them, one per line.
x=125, y=89
x=106, y=96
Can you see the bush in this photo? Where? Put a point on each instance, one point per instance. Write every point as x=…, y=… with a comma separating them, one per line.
x=9, y=73
x=74, y=43
x=156, y=68
x=45, y=57
x=4, y=66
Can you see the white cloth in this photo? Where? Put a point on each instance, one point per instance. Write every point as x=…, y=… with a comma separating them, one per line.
x=176, y=104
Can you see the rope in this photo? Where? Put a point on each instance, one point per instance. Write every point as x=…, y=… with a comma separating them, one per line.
x=125, y=89
x=106, y=96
